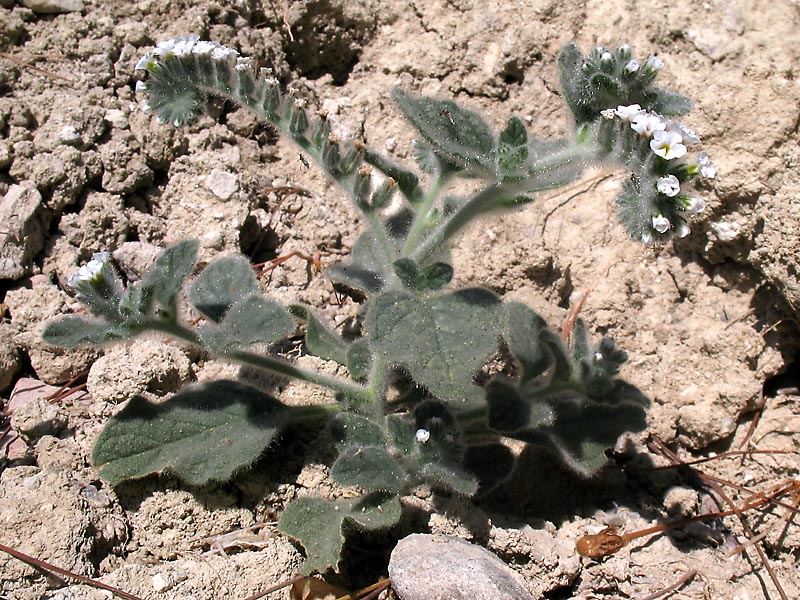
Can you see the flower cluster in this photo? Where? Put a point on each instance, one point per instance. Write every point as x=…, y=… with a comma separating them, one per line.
x=668, y=141
x=91, y=272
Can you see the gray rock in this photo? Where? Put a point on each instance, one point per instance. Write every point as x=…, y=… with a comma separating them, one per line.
x=31, y=414
x=435, y=567
x=222, y=184
x=9, y=358
x=24, y=222
x=53, y=6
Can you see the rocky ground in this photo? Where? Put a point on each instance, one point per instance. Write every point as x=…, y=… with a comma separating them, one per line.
x=710, y=322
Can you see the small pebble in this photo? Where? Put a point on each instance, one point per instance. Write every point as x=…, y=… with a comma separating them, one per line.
x=222, y=184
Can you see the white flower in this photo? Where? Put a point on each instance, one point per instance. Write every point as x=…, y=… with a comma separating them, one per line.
x=608, y=113
x=204, y=47
x=244, y=63
x=422, y=435
x=683, y=230
x=647, y=238
x=632, y=66
x=667, y=144
x=669, y=185
x=654, y=63
x=689, y=136
x=91, y=272
x=628, y=113
x=177, y=46
x=221, y=52
x=661, y=224
x=144, y=62
x=707, y=168
x=646, y=124
x=606, y=57
x=598, y=356
x=141, y=86
x=696, y=205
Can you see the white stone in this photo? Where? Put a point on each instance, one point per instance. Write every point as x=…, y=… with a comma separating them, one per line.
x=53, y=6
x=424, y=566
x=222, y=184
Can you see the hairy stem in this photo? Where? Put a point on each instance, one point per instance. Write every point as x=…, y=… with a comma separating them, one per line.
x=275, y=365
x=423, y=213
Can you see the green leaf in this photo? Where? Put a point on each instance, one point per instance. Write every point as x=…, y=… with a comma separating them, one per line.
x=523, y=330
x=667, y=103
x=449, y=478
x=359, y=360
x=407, y=270
x=350, y=429
x=204, y=433
x=442, y=340
x=402, y=431
x=70, y=330
x=578, y=95
x=221, y=284
x=317, y=524
x=513, y=146
x=254, y=320
x=165, y=278
x=492, y=464
x=363, y=271
x=407, y=182
x=434, y=276
x=510, y=411
x=321, y=340
x=370, y=468
x=320, y=525
x=457, y=135
x=583, y=432
x=376, y=511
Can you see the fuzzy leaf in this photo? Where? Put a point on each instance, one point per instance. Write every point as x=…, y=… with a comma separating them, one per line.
x=321, y=340
x=165, y=278
x=434, y=276
x=457, y=135
x=376, y=511
x=320, y=525
x=407, y=182
x=510, y=411
x=71, y=330
x=491, y=464
x=359, y=359
x=356, y=277
x=221, y=284
x=254, y=320
x=447, y=477
x=407, y=270
x=442, y=340
x=370, y=468
x=317, y=524
x=350, y=429
x=204, y=433
x=522, y=334
x=668, y=103
x=513, y=147
x=402, y=430
x=583, y=432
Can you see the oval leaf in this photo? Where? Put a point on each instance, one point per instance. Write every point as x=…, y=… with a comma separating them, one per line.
x=71, y=331
x=442, y=340
x=204, y=433
x=222, y=284
x=370, y=468
x=254, y=320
